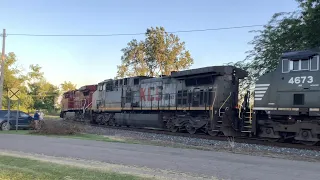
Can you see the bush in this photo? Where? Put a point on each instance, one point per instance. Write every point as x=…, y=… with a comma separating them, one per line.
x=56, y=127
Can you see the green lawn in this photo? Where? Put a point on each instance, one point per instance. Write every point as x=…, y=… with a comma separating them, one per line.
x=96, y=137
x=14, y=168
x=50, y=117
x=76, y=136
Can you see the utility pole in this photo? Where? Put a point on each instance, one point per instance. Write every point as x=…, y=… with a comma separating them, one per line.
x=2, y=65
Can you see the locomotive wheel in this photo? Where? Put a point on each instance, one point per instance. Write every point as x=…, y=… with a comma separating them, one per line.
x=81, y=117
x=112, y=122
x=170, y=125
x=190, y=128
x=309, y=143
x=273, y=139
x=174, y=129
x=99, y=119
x=213, y=133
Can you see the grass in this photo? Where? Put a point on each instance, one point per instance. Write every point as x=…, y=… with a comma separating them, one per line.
x=52, y=117
x=62, y=130
x=15, y=168
x=76, y=136
x=96, y=137
x=48, y=116
x=23, y=132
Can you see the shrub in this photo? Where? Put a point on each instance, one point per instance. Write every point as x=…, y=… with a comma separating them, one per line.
x=56, y=127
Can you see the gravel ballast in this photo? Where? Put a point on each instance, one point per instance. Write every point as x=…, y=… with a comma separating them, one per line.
x=205, y=144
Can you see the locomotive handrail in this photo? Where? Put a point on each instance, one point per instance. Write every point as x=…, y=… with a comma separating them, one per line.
x=223, y=104
x=84, y=106
x=250, y=114
x=240, y=108
x=215, y=95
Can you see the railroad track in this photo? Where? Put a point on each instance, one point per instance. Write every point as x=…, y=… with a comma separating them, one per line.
x=246, y=140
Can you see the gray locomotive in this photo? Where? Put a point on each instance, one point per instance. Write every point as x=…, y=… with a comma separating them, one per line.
x=191, y=100
x=286, y=101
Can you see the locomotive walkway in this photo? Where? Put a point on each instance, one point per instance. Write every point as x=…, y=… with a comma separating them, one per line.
x=217, y=164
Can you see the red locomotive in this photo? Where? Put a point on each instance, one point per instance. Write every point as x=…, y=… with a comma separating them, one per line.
x=77, y=101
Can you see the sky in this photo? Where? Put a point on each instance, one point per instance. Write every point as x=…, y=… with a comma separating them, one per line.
x=89, y=60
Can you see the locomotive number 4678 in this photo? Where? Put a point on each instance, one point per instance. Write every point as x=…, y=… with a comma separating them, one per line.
x=301, y=79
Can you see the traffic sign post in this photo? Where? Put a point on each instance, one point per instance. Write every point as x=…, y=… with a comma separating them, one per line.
x=17, y=118
x=8, y=113
x=13, y=94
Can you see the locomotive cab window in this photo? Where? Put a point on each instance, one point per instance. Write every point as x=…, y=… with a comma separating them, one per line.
x=86, y=93
x=314, y=63
x=311, y=64
x=295, y=65
x=304, y=64
x=300, y=65
x=100, y=87
x=136, y=81
x=285, y=65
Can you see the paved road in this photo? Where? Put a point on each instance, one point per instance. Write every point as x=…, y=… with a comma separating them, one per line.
x=218, y=164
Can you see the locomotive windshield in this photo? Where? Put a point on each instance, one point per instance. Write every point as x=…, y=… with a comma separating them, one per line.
x=304, y=64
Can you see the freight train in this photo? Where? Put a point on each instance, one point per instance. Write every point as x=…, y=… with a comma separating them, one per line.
x=286, y=102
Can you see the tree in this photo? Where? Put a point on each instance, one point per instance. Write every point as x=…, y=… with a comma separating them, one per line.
x=291, y=31
x=67, y=86
x=159, y=54
x=43, y=93
x=35, y=91
x=49, y=96
x=35, y=74
x=14, y=78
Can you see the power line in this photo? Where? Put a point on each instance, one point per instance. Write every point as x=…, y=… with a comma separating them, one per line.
x=134, y=34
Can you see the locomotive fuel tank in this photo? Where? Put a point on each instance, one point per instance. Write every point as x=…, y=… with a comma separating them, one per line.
x=287, y=100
